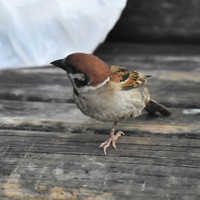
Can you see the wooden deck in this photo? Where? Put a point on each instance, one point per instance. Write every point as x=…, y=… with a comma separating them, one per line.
x=49, y=149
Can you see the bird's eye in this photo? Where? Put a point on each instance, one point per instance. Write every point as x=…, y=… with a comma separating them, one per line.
x=74, y=69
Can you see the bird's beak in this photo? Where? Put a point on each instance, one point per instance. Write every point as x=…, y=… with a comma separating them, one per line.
x=59, y=63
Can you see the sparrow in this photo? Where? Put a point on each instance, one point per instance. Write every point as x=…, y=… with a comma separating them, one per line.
x=108, y=94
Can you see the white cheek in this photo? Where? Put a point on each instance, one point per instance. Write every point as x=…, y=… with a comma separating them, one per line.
x=79, y=76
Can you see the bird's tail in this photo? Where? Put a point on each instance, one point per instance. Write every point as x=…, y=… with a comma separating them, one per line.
x=153, y=106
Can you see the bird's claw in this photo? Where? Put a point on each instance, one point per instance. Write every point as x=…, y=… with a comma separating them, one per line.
x=112, y=139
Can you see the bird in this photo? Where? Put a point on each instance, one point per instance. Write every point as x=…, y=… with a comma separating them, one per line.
x=108, y=93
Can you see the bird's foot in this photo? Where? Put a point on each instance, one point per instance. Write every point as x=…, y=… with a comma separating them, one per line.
x=112, y=140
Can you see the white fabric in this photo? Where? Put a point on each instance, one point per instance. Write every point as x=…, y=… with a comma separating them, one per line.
x=36, y=32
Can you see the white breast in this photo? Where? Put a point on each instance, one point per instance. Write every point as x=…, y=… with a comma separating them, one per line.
x=109, y=103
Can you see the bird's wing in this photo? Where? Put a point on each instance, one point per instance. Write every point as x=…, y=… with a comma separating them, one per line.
x=127, y=78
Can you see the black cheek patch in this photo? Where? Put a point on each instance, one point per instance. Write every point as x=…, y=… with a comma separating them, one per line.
x=82, y=83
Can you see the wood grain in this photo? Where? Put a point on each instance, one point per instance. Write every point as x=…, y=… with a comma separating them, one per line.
x=49, y=149
x=49, y=165
x=67, y=117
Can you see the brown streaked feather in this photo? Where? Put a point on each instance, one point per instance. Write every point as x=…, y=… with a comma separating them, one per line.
x=128, y=79
x=116, y=68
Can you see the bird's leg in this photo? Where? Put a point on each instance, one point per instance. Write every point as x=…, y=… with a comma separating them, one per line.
x=112, y=139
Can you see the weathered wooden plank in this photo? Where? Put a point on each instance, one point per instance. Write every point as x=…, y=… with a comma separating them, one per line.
x=153, y=168
x=45, y=142
x=92, y=193
x=23, y=138
x=126, y=150
x=35, y=84
x=157, y=159
x=62, y=142
x=172, y=67
x=66, y=117
x=11, y=160
x=136, y=171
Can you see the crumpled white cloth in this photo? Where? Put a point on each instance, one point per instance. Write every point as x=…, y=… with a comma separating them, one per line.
x=35, y=32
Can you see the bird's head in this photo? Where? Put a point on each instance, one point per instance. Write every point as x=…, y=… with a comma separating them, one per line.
x=85, y=71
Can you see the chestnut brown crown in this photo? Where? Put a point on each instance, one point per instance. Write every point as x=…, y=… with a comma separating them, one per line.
x=91, y=68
